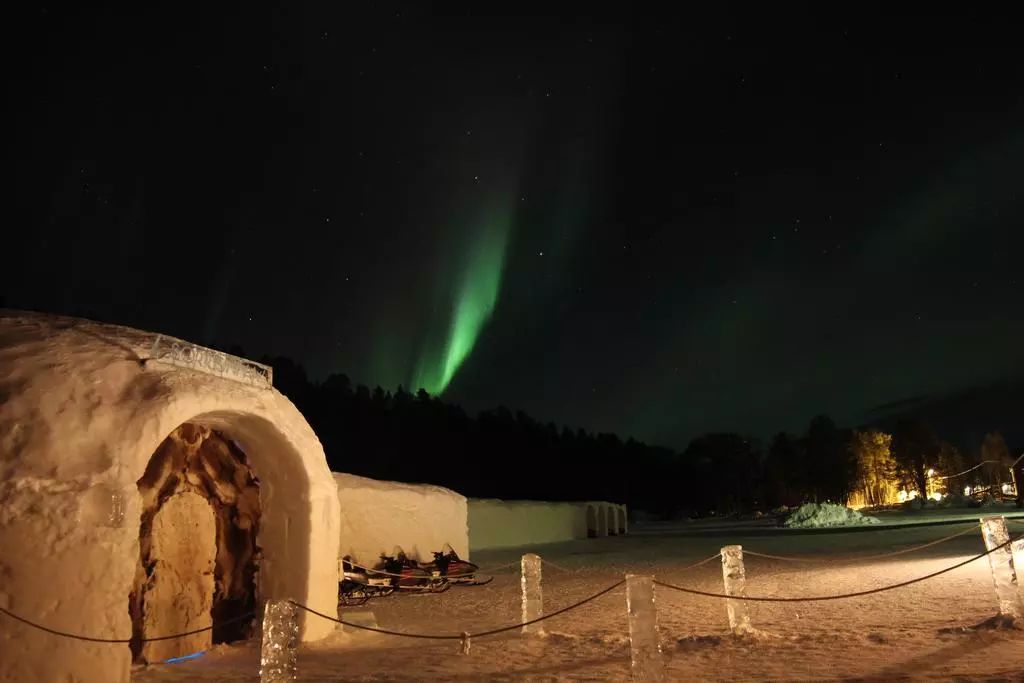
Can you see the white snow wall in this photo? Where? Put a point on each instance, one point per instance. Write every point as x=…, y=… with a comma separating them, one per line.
x=506, y=523
x=378, y=515
x=81, y=413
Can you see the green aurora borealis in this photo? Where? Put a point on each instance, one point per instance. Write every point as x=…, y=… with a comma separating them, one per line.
x=473, y=300
x=650, y=228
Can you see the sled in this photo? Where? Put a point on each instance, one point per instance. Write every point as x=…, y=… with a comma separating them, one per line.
x=410, y=577
x=456, y=570
x=358, y=586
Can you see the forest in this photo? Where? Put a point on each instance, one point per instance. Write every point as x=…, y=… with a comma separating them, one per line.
x=501, y=453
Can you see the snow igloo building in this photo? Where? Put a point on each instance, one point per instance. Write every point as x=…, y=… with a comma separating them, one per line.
x=149, y=487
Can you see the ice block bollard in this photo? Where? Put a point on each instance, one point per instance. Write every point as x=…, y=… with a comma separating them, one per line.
x=735, y=577
x=644, y=644
x=280, y=638
x=1017, y=553
x=1001, y=562
x=533, y=597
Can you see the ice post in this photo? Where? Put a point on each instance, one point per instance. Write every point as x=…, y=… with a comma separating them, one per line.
x=1017, y=553
x=644, y=645
x=735, y=577
x=533, y=598
x=280, y=638
x=993, y=529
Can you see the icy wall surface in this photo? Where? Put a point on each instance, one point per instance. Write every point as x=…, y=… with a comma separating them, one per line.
x=505, y=523
x=378, y=515
x=82, y=410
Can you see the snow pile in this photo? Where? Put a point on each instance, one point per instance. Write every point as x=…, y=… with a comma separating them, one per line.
x=818, y=515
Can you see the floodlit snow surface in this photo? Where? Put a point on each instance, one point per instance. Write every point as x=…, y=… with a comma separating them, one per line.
x=818, y=515
x=911, y=633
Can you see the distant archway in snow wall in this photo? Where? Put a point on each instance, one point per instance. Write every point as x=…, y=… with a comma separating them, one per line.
x=602, y=520
x=70, y=542
x=611, y=524
x=592, y=526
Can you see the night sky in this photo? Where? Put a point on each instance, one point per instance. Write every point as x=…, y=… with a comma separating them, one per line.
x=652, y=225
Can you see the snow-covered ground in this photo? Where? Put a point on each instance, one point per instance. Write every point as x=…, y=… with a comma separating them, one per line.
x=895, y=635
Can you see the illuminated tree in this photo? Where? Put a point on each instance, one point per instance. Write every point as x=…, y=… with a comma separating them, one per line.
x=877, y=471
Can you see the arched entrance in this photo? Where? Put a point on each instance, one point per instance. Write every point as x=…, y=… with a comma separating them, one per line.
x=609, y=521
x=622, y=521
x=198, y=551
x=591, y=522
x=119, y=401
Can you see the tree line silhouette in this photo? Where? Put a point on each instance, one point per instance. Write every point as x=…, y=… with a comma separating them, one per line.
x=501, y=453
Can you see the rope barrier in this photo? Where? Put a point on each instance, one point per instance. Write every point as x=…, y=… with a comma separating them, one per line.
x=464, y=634
x=970, y=469
x=819, y=598
x=491, y=570
x=381, y=572
x=557, y=567
x=680, y=569
x=90, y=639
x=861, y=558
x=702, y=562
x=500, y=567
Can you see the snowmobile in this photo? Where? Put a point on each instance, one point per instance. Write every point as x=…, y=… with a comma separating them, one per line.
x=398, y=572
x=408, y=575
x=458, y=571
x=357, y=585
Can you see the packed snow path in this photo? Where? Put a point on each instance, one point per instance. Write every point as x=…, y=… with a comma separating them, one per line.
x=893, y=635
